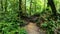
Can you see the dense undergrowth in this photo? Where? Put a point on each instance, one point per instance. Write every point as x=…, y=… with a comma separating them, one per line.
x=10, y=23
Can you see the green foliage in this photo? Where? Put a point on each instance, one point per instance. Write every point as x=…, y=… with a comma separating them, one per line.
x=10, y=23
x=9, y=20
x=50, y=26
x=23, y=31
x=39, y=5
x=57, y=3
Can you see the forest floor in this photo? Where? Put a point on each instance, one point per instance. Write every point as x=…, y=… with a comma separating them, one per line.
x=33, y=29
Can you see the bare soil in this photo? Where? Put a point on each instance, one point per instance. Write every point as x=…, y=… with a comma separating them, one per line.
x=33, y=29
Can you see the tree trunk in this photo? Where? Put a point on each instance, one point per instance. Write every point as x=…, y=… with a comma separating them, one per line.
x=20, y=3
x=20, y=8
x=25, y=6
x=30, y=7
x=5, y=5
x=1, y=5
x=52, y=5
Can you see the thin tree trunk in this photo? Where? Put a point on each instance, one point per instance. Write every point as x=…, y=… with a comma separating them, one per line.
x=1, y=5
x=5, y=5
x=20, y=8
x=35, y=5
x=25, y=6
x=30, y=7
x=20, y=5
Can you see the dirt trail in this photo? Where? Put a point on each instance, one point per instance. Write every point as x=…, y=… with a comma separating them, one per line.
x=32, y=28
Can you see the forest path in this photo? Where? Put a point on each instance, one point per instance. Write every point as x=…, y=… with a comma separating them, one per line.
x=33, y=29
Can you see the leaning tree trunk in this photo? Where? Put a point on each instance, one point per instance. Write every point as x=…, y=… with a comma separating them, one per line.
x=52, y=5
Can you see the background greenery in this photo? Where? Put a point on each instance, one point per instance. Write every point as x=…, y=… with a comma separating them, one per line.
x=10, y=23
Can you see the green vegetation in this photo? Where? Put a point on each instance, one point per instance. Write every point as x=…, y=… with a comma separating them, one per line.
x=11, y=12
x=23, y=31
